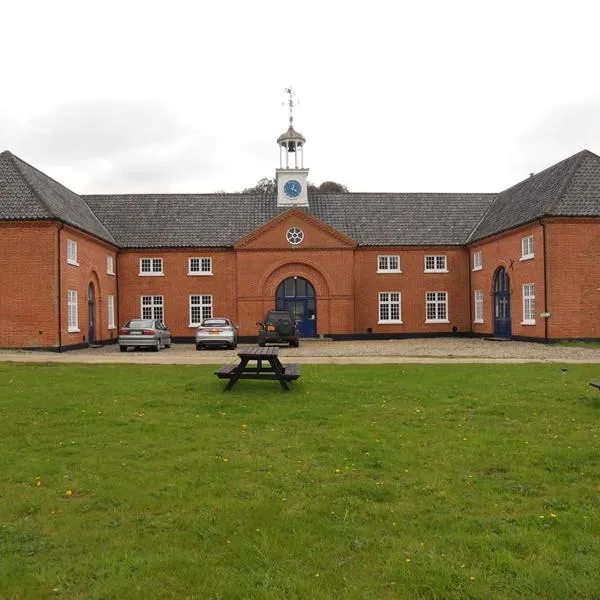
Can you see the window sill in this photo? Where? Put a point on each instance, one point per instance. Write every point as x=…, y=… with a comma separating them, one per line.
x=193, y=274
x=527, y=257
x=108, y=273
x=477, y=269
x=389, y=271
x=478, y=322
x=73, y=330
x=436, y=271
x=112, y=327
x=527, y=322
x=73, y=263
x=437, y=321
x=390, y=323
x=151, y=274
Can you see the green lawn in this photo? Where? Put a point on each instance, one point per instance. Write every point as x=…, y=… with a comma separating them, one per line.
x=363, y=482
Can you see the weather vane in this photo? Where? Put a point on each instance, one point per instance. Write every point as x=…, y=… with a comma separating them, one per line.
x=291, y=104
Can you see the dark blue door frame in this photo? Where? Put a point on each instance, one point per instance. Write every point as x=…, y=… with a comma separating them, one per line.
x=297, y=295
x=91, y=314
x=502, y=318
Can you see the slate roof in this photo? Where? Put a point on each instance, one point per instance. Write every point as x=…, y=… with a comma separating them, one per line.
x=568, y=188
x=219, y=220
x=26, y=193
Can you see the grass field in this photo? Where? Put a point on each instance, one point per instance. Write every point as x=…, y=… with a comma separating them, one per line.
x=363, y=482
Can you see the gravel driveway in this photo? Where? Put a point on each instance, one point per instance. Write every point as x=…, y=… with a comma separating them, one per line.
x=434, y=350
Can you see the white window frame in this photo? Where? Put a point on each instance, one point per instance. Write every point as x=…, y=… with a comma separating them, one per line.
x=388, y=263
x=204, y=264
x=478, y=305
x=528, y=304
x=72, y=312
x=110, y=311
x=390, y=302
x=477, y=260
x=110, y=264
x=201, y=305
x=152, y=307
x=151, y=267
x=527, y=248
x=72, y=253
x=438, y=300
x=440, y=263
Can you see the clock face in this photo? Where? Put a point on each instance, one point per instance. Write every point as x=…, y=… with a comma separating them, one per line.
x=292, y=188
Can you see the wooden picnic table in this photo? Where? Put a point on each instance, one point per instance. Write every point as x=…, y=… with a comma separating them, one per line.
x=258, y=362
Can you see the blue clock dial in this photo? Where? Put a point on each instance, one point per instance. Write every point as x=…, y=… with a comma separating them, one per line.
x=292, y=188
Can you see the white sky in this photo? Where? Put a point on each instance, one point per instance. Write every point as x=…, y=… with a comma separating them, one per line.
x=395, y=96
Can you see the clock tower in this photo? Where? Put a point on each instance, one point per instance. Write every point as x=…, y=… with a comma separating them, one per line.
x=291, y=175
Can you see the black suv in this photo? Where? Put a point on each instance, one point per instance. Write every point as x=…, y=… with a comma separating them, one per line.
x=279, y=326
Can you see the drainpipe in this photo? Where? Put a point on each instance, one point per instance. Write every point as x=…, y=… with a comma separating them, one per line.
x=58, y=290
x=545, y=281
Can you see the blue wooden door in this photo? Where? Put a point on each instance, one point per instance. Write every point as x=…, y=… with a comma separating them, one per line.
x=297, y=295
x=502, y=319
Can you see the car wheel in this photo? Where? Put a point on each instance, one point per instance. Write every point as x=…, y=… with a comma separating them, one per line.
x=156, y=348
x=295, y=344
x=261, y=344
x=198, y=346
x=123, y=348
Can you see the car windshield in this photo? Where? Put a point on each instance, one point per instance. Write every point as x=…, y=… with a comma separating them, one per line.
x=215, y=323
x=140, y=324
x=277, y=315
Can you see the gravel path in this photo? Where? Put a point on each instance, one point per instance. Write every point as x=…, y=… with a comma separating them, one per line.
x=434, y=350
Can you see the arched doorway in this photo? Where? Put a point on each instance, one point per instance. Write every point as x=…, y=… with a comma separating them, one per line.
x=91, y=298
x=502, y=326
x=297, y=295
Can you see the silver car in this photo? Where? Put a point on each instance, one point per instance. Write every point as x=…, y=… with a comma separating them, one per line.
x=217, y=331
x=144, y=333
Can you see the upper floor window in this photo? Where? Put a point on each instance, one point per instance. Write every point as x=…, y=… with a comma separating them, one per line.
x=200, y=266
x=478, y=306
x=110, y=264
x=436, y=307
x=436, y=264
x=527, y=247
x=477, y=260
x=72, y=253
x=528, y=304
x=389, y=307
x=151, y=266
x=388, y=264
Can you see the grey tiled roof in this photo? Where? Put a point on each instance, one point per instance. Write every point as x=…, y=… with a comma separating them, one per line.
x=26, y=193
x=218, y=220
x=569, y=188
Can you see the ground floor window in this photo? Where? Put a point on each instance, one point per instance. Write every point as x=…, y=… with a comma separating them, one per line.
x=436, y=305
x=389, y=307
x=201, y=307
x=478, y=306
x=110, y=303
x=153, y=307
x=529, y=304
x=73, y=319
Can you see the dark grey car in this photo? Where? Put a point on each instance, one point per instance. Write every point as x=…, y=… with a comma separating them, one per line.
x=278, y=327
x=144, y=333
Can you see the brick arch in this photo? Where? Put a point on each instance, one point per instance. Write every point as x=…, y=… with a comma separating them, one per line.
x=268, y=284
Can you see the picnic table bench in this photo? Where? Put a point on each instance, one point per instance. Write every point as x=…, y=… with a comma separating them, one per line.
x=595, y=384
x=259, y=363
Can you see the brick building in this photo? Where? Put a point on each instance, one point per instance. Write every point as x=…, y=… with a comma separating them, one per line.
x=521, y=263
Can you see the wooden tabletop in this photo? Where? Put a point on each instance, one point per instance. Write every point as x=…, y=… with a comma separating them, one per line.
x=258, y=352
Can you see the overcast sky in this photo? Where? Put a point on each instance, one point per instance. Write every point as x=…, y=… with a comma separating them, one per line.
x=395, y=96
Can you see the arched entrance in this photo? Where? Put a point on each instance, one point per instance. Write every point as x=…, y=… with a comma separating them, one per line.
x=91, y=298
x=502, y=303
x=297, y=295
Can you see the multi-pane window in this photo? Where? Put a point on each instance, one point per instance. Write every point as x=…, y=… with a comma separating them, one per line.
x=436, y=307
x=527, y=247
x=529, y=304
x=151, y=266
x=72, y=252
x=200, y=266
x=110, y=304
x=110, y=264
x=153, y=308
x=200, y=308
x=389, y=307
x=388, y=264
x=478, y=306
x=72, y=319
x=436, y=263
x=477, y=260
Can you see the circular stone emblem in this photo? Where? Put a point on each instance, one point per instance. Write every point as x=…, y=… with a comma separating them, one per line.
x=294, y=235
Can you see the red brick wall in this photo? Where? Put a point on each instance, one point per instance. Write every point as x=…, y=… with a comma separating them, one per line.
x=28, y=294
